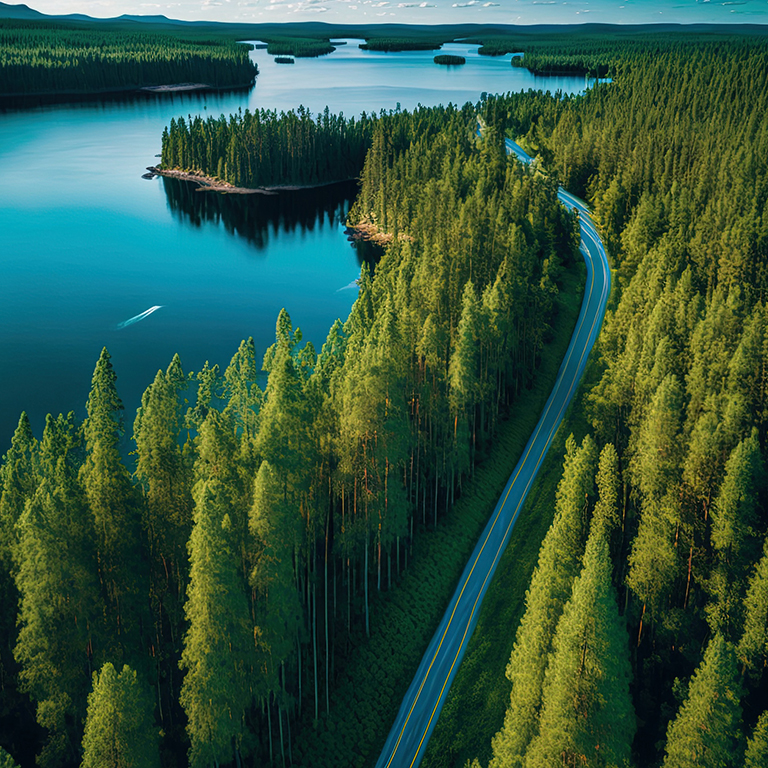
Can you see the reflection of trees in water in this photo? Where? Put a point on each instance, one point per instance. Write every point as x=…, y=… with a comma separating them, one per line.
x=256, y=217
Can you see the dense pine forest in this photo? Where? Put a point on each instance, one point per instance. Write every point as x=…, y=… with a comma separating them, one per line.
x=263, y=148
x=222, y=575
x=45, y=58
x=213, y=587
x=643, y=640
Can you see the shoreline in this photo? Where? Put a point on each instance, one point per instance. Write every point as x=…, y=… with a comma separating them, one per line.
x=211, y=184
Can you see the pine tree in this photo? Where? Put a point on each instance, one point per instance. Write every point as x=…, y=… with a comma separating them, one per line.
x=60, y=607
x=753, y=646
x=218, y=655
x=757, y=745
x=550, y=589
x=587, y=717
x=734, y=517
x=6, y=761
x=707, y=729
x=113, y=504
x=120, y=729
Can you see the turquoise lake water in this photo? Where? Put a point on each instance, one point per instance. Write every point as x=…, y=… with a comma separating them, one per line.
x=86, y=243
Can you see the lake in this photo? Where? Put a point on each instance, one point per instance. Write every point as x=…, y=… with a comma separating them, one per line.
x=86, y=243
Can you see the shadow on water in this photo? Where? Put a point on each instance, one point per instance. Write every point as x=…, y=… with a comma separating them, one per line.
x=257, y=218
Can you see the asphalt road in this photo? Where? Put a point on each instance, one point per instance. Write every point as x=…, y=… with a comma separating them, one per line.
x=407, y=741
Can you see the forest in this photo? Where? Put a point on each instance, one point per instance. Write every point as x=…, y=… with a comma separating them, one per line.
x=200, y=600
x=278, y=525
x=263, y=148
x=649, y=647
x=45, y=58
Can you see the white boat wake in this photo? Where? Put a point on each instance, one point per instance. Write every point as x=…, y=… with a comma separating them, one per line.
x=354, y=284
x=132, y=320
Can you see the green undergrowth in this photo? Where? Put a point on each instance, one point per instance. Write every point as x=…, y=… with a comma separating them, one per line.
x=370, y=688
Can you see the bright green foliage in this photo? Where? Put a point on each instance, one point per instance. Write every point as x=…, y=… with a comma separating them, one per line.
x=587, y=716
x=551, y=585
x=753, y=645
x=46, y=58
x=241, y=391
x=6, y=761
x=607, y=515
x=263, y=148
x=120, y=729
x=112, y=501
x=60, y=609
x=707, y=729
x=17, y=483
x=756, y=755
x=734, y=517
x=276, y=528
x=164, y=479
x=219, y=648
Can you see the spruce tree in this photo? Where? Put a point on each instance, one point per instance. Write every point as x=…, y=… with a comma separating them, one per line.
x=586, y=716
x=707, y=729
x=550, y=589
x=120, y=729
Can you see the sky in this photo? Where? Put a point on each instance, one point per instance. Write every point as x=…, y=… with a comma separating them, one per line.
x=426, y=11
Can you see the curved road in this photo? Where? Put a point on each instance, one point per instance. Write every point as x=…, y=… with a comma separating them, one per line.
x=407, y=741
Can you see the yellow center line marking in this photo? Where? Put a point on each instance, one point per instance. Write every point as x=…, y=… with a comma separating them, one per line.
x=511, y=523
x=539, y=426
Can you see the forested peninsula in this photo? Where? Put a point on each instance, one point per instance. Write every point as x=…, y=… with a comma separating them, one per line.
x=228, y=574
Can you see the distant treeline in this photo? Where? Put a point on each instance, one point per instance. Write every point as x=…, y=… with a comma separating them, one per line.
x=263, y=148
x=45, y=59
x=225, y=581
x=301, y=47
x=400, y=44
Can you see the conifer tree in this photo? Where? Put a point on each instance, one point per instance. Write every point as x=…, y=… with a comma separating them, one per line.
x=218, y=654
x=6, y=761
x=550, y=589
x=586, y=712
x=734, y=516
x=753, y=645
x=60, y=607
x=17, y=483
x=113, y=504
x=756, y=755
x=707, y=729
x=120, y=729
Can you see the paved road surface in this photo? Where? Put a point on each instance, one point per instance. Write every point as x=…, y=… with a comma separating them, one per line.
x=407, y=741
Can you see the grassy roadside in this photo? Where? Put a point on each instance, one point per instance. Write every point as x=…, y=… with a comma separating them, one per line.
x=481, y=687
x=368, y=691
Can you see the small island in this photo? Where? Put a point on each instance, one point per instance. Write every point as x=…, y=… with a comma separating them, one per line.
x=284, y=60
x=449, y=60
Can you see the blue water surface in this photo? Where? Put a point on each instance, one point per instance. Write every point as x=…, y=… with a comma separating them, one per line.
x=86, y=243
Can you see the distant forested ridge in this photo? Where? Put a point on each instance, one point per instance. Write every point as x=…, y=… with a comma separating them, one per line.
x=265, y=148
x=37, y=58
x=644, y=637
x=226, y=579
